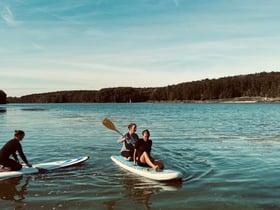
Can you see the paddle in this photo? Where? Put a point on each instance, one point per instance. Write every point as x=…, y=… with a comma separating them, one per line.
x=109, y=124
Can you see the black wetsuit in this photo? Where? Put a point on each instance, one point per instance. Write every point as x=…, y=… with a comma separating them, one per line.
x=10, y=148
x=143, y=146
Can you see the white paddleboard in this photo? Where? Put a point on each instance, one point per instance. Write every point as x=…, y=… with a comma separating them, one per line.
x=162, y=175
x=36, y=168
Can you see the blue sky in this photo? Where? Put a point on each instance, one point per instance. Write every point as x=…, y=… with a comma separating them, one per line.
x=92, y=44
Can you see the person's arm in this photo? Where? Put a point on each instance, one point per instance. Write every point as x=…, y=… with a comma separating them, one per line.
x=22, y=155
x=122, y=138
x=134, y=156
x=135, y=152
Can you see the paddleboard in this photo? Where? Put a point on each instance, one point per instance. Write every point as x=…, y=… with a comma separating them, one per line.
x=36, y=168
x=162, y=175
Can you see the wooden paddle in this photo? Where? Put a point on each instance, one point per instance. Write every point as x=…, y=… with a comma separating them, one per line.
x=109, y=124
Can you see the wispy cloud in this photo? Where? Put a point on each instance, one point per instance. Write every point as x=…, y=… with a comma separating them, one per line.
x=38, y=47
x=176, y=2
x=71, y=44
x=8, y=16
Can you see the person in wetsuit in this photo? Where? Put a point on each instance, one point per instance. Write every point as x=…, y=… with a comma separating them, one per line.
x=10, y=148
x=143, y=149
x=129, y=140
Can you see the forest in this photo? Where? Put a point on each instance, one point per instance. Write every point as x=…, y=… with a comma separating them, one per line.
x=3, y=97
x=266, y=85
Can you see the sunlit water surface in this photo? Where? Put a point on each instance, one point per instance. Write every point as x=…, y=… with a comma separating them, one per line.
x=228, y=155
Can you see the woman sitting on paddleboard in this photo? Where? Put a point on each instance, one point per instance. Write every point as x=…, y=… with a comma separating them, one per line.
x=143, y=149
x=129, y=140
x=10, y=148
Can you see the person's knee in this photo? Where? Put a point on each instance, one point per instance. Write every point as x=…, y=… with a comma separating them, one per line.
x=145, y=154
x=125, y=154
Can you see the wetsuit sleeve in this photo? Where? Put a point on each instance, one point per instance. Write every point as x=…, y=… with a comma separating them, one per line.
x=137, y=144
x=21, y=154
x=15, y=156
x=136, y=149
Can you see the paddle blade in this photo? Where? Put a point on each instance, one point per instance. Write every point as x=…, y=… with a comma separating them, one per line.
x=109, y=124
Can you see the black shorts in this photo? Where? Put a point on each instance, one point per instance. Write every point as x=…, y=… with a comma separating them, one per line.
x=139, y=163
x=127, y=154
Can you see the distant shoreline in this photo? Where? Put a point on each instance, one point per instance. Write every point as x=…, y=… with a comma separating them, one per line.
x=247, y=100
x=237, y=100
x=254, y=88
x=243, y=100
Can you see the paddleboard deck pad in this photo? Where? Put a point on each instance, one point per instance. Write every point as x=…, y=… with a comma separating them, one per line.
x=36, y=168
x=162, y=175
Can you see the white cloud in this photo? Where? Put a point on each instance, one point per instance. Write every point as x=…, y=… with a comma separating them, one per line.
x=8, y=17
x=72, y=46
x=38, y=47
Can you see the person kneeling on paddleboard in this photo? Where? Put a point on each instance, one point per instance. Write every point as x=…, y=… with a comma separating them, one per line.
x=129, y=140
x=143, y=149
x=10, y=148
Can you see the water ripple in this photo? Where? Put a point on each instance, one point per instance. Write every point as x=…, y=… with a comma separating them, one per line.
x=228, y=155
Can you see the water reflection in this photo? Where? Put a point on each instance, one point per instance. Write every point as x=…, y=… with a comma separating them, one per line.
x=3, y=110
x=34, y=109
x=14, y=189
x=140, y=190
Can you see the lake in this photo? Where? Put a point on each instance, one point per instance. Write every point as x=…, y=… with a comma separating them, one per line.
x=229, y=155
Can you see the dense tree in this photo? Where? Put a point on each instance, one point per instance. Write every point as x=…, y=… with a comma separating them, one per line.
x=3, y=97
x=252, y=85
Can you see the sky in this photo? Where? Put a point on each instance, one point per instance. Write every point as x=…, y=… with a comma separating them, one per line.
x=56, y=45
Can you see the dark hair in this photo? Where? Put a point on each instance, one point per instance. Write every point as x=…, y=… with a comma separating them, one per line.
x=146, y=131
x=131, y=124
x=19, y=133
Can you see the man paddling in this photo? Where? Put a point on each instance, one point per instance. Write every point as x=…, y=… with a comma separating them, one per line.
x=10, y=148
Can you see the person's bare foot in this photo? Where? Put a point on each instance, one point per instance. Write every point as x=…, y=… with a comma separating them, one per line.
x=3, y=168
x=156, y=168
x=127, y=158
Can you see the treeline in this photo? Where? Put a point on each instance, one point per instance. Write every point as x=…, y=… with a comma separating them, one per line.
x=252, y=85
x=120, y=94
x=3, y=97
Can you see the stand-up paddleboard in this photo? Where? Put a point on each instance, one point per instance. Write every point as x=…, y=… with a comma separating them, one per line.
x=36, y=168
x=162, y=175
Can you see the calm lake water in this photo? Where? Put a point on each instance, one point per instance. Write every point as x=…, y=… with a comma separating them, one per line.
x=229, y=155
